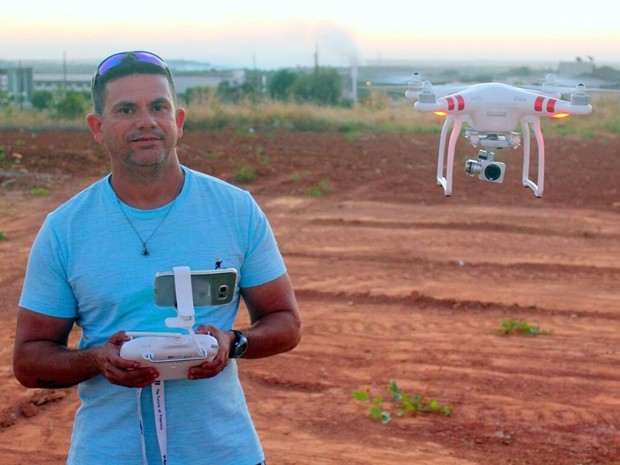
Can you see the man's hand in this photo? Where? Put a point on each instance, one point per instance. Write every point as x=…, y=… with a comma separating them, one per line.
x=214, y=367
x=116, y=369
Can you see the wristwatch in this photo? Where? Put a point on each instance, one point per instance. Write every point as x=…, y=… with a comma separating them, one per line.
x=239, y=346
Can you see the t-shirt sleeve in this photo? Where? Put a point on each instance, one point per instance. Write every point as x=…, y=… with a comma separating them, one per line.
x=263, y=261
x=46, y=288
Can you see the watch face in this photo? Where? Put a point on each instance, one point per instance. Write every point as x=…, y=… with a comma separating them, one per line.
x=240, y=345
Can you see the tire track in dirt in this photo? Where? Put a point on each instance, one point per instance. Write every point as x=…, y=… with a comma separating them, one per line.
x=484, y=226
x=425, y=302
x=611, y=272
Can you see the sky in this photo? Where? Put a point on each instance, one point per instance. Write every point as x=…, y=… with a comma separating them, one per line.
x=272, y=34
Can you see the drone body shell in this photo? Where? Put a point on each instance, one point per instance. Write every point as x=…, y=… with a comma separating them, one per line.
x=496, y=107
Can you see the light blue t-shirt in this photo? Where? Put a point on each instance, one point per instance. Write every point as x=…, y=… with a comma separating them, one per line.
x=86, y=263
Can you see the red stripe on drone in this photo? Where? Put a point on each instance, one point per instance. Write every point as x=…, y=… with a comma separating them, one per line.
x=455, y=102
x=450, y=101
x=538, y=104
x=551, y=105
x=461, y=101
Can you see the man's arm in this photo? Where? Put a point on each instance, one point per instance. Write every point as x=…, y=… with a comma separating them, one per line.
x=42, y=359
x=275, y=320
x=275, y=326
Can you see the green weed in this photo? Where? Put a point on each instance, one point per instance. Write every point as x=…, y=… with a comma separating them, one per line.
x=352, y=135
x=39, y=191
x=400, y=403
x=299, y=177
x=245, y=173
x=263, y=159
x=2, y=236
x=521, y=327
x=319, y=190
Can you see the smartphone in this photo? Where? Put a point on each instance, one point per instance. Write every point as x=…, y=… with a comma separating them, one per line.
x=212, y=287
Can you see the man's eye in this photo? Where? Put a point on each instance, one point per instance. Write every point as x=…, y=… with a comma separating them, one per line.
x=125, y=110
x=159, y=107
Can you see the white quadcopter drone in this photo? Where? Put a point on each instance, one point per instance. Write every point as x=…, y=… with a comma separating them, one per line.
x=493, y=112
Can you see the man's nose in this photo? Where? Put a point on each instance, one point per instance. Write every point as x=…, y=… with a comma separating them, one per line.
x=145, y=119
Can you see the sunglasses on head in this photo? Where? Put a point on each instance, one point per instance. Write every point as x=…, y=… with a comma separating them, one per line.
x=114, y=60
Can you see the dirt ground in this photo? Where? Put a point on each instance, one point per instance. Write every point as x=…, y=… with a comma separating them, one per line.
x=395, y=283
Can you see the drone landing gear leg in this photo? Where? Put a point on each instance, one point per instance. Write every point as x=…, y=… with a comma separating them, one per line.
x=446, y=181
x=525, y=178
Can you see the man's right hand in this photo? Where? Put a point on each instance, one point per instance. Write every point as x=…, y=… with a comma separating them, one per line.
x=119, y=371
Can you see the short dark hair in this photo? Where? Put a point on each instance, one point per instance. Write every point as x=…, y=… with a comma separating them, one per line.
x=127, y=66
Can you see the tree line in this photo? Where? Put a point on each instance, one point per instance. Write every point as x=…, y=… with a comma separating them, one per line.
x=321, y=86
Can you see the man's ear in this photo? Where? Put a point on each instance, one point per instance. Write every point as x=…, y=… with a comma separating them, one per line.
x=180, y=119
x=95, y=124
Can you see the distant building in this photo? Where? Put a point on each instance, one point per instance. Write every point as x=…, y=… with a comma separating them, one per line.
x=82, y=82
x=17, y=83
x=576, y=68
x=184, y=82
x=62, y=82
x=587, y=73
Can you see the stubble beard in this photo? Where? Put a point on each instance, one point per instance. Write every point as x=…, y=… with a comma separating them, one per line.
x=148, y=164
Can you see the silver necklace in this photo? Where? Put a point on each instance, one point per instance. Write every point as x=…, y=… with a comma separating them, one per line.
x=145, y=249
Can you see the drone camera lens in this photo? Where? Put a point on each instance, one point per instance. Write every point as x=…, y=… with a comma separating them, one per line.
x=492, y=172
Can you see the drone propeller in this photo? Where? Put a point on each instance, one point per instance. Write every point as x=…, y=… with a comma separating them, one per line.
x=579, y=96
x=551, y=86
x=416, y=81
x=426, y=92
x=416, y=86
x=554, y=87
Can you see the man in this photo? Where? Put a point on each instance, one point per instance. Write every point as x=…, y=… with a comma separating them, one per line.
x=93, y=264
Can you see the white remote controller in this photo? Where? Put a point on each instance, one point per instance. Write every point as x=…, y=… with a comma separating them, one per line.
x=172, y=354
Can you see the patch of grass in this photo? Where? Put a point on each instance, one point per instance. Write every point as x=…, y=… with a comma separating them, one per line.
x=39, y=191
x=351, y=131
x=209, y=155
x=268, y=116
x=263, y=158
x=520, y=327
x=319, y=190
x=381, y=115
x=245, y=174
x=2, y=236
x=299, y=177
x=400, y=404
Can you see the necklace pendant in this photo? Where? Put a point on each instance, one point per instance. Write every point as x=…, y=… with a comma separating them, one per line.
x=145, y=251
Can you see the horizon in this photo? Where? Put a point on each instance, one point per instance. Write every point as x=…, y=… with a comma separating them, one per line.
x=58, y=63
x=267, y=36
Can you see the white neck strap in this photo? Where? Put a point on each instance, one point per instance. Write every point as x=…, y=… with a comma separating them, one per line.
x=184, y=319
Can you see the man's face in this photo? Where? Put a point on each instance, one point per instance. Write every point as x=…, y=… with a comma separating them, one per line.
x=140, y=125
